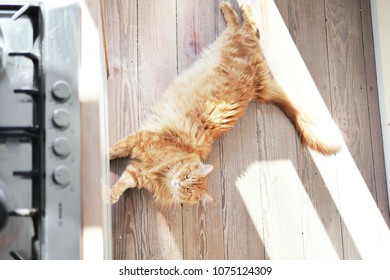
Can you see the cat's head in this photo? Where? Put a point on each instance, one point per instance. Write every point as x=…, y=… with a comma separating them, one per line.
x=188, y=184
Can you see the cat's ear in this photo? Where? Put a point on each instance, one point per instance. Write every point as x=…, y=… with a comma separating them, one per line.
x=206, y=198
x=205, y=169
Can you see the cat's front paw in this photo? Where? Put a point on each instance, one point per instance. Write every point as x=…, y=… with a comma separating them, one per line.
x=108, y=196
x=119, y=150
x=111, y=154
x=114, y=153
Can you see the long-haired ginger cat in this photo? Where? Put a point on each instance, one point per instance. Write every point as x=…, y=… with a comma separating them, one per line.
x=200, y=105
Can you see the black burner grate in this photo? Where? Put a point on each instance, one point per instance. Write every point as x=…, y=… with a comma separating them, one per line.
x=35, y=133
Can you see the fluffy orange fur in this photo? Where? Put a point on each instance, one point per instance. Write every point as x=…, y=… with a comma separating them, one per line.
x=200, y=105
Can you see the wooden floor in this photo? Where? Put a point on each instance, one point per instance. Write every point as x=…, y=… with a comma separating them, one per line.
x=274, y=200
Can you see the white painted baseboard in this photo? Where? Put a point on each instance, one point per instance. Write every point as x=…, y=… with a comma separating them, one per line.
x=381, y=21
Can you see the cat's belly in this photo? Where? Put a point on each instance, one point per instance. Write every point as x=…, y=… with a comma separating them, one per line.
x=211, y=95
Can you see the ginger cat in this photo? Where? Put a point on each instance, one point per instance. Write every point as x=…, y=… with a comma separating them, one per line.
x=200, y=105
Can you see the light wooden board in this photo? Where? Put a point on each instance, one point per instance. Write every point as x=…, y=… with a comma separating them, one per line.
x=161, y=229
x=308, y=29
x=349, y=110
x=195, y=31
x=121, y=26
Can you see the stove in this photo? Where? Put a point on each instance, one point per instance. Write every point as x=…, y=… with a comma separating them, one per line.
x=39, y=130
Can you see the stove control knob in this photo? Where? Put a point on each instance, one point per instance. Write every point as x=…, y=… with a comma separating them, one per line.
x=61, y=90
x=61, y=118
x=61, y=146
x=62, y=175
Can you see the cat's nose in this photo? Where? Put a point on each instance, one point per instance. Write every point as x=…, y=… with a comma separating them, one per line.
x=180, y=183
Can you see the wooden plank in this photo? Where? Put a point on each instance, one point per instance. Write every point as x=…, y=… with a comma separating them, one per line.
x=238, y=151
x=202, y=226
x=157, y=65
x=277, y=144
x=374, y=113
x=243, y=224
x=349, y=90
x=365, y=233
x=123, y=118
x=348, y=80
x=307, y=27
x=280, y=186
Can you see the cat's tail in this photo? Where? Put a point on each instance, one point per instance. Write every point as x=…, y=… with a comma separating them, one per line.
x=316, y=131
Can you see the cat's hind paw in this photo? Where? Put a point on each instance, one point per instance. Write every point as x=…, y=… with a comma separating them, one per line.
x=229, y=14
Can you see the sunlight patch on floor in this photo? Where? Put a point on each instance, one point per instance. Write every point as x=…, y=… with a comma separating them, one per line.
x=282, y=213
x=281, y=210
x=358, y=210
x=356, y=205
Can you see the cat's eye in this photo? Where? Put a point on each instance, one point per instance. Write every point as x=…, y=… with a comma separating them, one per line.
x=189, y=190
x=188, y=176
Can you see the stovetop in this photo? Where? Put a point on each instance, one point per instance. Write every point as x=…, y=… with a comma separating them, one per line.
x=39, y=131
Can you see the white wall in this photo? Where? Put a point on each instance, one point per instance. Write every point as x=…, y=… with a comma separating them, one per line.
x=381, y=24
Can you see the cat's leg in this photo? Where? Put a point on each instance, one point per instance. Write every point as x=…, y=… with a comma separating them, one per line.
x=230, y=15
x=127, y=180
x=317, y=133
x=247, y=16
x=124, y=146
